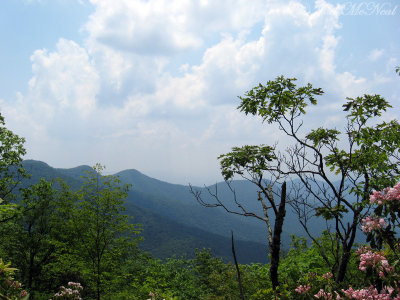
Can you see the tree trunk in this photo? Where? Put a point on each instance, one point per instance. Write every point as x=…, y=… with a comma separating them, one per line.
x=237, y=269
x=98, y=281
x=347, y=250
x=276, y=240
x=31, y=270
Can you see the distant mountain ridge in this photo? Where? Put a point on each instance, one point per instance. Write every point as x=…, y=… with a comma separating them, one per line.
x=173, y=222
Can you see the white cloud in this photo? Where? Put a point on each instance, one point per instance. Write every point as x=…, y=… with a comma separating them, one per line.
x=143, y=27
x=155, y=83
x=64, y=79
x=160, y=27
x=134, y=42
x=375, y=54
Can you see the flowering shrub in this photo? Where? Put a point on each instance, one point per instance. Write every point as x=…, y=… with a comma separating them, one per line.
x=373, y=261
x=386, y=196
x=71, y=292
x=10, y=288
x=327, y=276
x=371, y=223
x=303, y=289
x=384, y=282
x=317, y=286
x=323, y=295
x=369, y=293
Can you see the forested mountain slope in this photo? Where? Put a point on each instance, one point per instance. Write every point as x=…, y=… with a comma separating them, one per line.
x=175, y=224
x=169, y=215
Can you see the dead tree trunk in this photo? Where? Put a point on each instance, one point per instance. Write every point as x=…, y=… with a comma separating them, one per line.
x=276, y=240
x=279, y=211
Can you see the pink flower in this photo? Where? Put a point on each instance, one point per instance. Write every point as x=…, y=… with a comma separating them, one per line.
x=23, y=294
x=375, y=260
x=369, y=293
x=372, y=223
x=389, y=289
x=303, y=289
x=324, y=295
x=386, y=195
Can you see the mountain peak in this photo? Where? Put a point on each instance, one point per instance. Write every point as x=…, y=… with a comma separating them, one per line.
x=31, y=162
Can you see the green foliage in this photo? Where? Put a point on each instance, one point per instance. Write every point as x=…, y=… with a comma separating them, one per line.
x=7, y=211
x=304, y=265
x=76, y=236
x=323, y=136
x=363, y=108
x=380, y=142
x=302, y=259
x=204, y=277
x=104, y=233
x=278, y=98
x=29, y=239
x=11, y=171
x=251, y=159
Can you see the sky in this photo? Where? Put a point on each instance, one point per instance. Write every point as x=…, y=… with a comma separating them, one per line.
x=153, y=85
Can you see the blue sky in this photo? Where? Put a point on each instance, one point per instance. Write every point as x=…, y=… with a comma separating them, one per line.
x=153, y=85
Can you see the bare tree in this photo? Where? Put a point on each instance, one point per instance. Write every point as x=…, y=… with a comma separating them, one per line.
x=251, y=163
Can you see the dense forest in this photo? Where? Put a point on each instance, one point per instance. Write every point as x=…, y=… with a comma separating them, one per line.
x=73, y=234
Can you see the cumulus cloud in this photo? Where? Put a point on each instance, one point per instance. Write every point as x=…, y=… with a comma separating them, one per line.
x=62, y=89
x=155, y=83
x=160, y=27
x=64, y=79
x=143, y=27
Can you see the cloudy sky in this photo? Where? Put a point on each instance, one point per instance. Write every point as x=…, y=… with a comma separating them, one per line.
x=153, y=85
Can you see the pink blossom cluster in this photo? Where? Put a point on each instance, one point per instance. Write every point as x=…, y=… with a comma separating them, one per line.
x=370, y=293
x=374, y=260
x=23, y=294
x=75, y=285
x=14, y=288
x=328, y=275
x=72, y=292
x=386, y=195
x=14, y=284
x=362, y=294
x=324, y=295
x=303, y=289
x=371, y=223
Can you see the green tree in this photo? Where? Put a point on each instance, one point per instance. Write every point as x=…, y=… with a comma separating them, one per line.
x=11, y=171
x=31, y=240
x=364, y=156
x=104, y=233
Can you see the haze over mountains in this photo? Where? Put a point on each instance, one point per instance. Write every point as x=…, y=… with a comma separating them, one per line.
x=174, y=224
